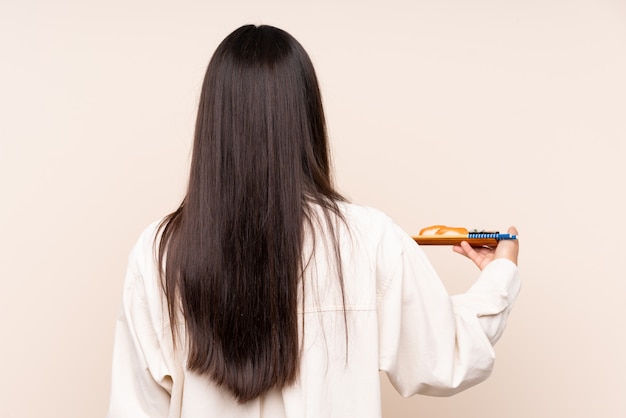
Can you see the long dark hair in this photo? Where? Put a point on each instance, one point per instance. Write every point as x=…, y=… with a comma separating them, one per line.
x=233, y=251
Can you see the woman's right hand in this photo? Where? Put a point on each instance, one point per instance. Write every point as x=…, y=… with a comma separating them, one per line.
x=482, y=256
x=508, y=248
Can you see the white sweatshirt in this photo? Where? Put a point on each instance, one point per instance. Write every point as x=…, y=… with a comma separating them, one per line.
x=400, y=319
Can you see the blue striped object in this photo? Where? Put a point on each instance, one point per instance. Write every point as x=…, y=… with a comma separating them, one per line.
x=490, y=235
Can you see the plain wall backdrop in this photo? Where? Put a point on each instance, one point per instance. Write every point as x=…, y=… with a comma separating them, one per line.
x=477, y=113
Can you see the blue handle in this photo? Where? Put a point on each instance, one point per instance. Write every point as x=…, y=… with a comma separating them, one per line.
x=490, y=235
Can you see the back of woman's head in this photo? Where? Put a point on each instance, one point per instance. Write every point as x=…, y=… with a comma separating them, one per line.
x=234, y=246
x=261, y=111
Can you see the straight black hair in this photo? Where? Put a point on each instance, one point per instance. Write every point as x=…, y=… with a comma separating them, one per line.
x=234, y=247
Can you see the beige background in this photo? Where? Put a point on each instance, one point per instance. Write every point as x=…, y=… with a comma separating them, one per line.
x=472, y=113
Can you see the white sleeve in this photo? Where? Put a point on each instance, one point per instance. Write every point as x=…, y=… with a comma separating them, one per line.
x=434, y=344
x=141, y=384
